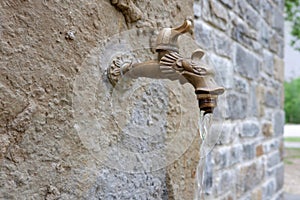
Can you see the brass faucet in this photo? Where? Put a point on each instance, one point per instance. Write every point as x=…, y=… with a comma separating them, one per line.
x=171, y=65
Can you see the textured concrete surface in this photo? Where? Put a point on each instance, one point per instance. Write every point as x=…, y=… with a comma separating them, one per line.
x=64, y=132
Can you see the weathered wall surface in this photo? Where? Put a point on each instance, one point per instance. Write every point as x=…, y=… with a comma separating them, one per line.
x=245, y=39
x=66, y=133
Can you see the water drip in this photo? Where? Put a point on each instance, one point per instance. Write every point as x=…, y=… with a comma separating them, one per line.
x=205, y=121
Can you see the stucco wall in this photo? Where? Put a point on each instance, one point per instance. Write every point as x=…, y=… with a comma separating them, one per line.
x=66, y=133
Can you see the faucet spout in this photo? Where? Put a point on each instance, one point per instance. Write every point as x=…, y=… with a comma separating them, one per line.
x=201, y=77
x=147, y=69
x=171, y=65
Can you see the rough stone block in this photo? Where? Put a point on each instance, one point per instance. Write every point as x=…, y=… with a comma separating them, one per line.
x=259, y=150
x=248, y=13
x=224, y=182
x=267, y=11
x=249, y=151
x=273, y=159
x=246, y=63
x=250, y=129
x=281, y=149
x=278, y=122
x=223, y=45
x=276, y=44
x=203, y=35
x=236, y=154
x=244, y=104
x=269, y=188
x=279, y=177
x=264, y=34
x=279, y=196
x=220, y=13
x=268, y=62
x=245, y=197
x=197, y=10
x=215, y=13
x=281, y=48
x=223, y=70
x=271, y=145
x=241, y=33
x=228, y=196
x=267, y=129
x=255, y=4
x=236, y=106
x=279, y=68
x=272, y=98
x=257, y=194
x=206, y=12
x=278, y=21
x=225, y=132
x=228, y=3
x=260, y=90
x=280, y=4
x=253, y=102
x=267, y=81
x=227, y=156
x=281, y=97
x=241, y=85
x=249, y=175
x=257, y=46
x=221, y=157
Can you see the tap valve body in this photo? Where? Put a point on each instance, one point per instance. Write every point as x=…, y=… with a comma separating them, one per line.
x=171, y=65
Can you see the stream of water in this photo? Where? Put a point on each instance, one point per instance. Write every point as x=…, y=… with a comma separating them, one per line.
x=205, y=121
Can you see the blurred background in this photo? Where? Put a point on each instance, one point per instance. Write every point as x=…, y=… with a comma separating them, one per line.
x=292, y=99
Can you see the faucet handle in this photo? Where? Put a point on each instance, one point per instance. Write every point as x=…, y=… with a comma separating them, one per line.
x=167, y=39
x=185, y=27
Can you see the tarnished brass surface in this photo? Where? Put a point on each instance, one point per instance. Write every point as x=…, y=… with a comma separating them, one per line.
x=171, y=65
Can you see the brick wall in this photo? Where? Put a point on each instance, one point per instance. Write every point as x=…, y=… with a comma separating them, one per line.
x=245, y=38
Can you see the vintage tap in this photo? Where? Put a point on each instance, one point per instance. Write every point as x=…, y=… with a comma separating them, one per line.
x=171, y=65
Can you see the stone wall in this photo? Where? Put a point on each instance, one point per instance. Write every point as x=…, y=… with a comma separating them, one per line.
x=66, y=133
x=245, y=39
